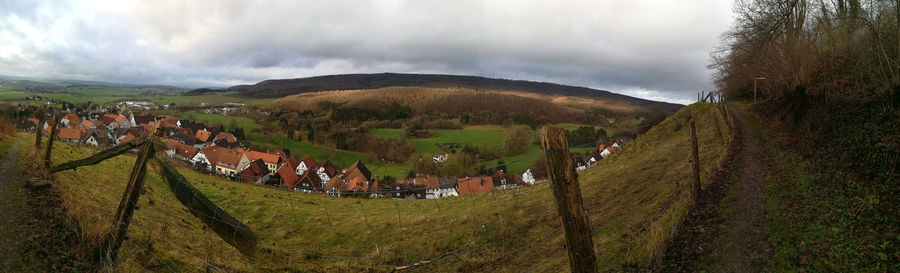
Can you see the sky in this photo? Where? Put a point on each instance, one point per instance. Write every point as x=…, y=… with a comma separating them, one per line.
x=649, y=49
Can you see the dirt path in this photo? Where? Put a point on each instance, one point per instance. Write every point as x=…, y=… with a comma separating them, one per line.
x=13, y=206
x=726, y=232
x=34, y=235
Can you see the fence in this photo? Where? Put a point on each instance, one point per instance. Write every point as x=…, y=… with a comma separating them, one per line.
x=474, y=232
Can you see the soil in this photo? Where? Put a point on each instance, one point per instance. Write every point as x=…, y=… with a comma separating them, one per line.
x=726, y=231
x=34, y=233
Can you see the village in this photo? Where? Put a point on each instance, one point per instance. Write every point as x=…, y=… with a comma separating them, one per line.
x=210, y=150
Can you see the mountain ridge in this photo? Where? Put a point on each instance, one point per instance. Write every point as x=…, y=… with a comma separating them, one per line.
x=274, y=88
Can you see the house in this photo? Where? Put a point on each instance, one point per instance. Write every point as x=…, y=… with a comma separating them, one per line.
x=447, y=187
x=527, y=177
x=309, y=183
x=255, y=173
x=203, y=135
x=335, y=187
x=327, y=171
x=607, y=151
x=226, y=144
x=356, y=186
x=71, y=134
x=439, y=158
x=306, y=164
x=87, y=125
x=199, y=159
x=472, y=185
x=127, y=138
x=432, y=186
x=226, y=161
x=225, y=136
x=580, y=162
x=358, y=170
x=616, y=145
x=110, y=119
x=376, y=189
x=400, y=189
x=413, y=188
x=143, y=119
x=70, y=120
x=97, y=138
x=273, y=161
x=504, y=181
x=181, y=151
x=184, y=139
x=288, y=177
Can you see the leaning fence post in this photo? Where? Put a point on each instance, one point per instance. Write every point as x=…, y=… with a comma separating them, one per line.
x=129, y=202
x=37, y=138
x=53, y=131
x=696, y=164
x=563, y=181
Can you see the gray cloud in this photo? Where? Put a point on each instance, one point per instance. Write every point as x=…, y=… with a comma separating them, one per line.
x=651, y=49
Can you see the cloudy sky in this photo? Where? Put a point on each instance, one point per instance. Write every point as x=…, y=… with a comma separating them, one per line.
x=651, y=49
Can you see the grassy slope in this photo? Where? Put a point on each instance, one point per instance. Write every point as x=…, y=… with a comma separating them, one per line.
x=635, y=199
x=816, y=226
x=479, y=135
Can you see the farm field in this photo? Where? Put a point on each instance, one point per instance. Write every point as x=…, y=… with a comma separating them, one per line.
x=634, y=199
x=476, y=136
x=209, y=99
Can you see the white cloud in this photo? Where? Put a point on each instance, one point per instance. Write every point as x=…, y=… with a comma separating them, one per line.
x=615, y=45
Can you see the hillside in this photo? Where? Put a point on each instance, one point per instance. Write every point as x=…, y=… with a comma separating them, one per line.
x=485, y=106
x=634, y=198
x=286, y=87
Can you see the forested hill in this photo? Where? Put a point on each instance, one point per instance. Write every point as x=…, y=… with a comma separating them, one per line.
x=285, y=87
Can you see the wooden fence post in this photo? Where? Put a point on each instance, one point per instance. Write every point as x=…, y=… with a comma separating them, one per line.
x=53, y=130
x=564, y=183
x=38, y=132
x=696, y=163
x=129, y=201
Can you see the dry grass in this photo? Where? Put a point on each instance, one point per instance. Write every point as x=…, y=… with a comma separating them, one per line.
x=7, y=128
x=635, y=199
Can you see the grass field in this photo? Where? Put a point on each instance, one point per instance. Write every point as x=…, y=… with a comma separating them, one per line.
x=634, y=199
x=478, y=137
x=215, y=120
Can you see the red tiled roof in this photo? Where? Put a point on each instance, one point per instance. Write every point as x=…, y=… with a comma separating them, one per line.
x=223, y=157
x=310, y=163
x=226, y=136
x=71, y=133
x=336, y=182
x=128, y=138
x=116, y=117
x=187, y=151
x=267, y=157
x=288, y=177
x=203, y=135
x=358, y=183
x=254, y=171
x=475, y=185
x=73, y=119
x=87, y=124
